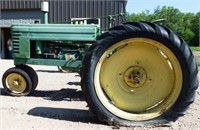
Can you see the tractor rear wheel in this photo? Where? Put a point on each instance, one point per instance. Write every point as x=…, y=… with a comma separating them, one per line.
x=17, y=82
x=139, y=74
x=63, y=69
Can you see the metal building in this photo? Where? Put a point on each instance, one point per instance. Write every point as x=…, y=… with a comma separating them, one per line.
x=60, y=11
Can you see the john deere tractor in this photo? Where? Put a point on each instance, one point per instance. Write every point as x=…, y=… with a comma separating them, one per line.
x=134, y=74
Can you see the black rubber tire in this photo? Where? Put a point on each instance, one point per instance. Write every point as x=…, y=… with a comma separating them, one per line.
x=141, y=30
x=21, y=72
x=32, y=74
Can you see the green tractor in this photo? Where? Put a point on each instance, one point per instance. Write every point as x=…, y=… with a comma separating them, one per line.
x=134, y=74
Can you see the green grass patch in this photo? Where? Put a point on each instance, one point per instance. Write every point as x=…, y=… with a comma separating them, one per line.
x=195, y=48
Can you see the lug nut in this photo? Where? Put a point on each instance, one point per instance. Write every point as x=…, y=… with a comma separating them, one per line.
x=136, y=80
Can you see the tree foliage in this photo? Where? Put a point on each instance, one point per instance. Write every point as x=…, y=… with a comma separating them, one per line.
x=185, y=24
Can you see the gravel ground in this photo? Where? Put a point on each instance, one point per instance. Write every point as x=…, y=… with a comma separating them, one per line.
x=58, y=104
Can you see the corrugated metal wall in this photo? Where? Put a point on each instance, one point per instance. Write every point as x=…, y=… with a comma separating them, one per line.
x=63, y=10
x=20, y=4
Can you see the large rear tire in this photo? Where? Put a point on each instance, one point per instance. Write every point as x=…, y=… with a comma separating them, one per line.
x=139, y=74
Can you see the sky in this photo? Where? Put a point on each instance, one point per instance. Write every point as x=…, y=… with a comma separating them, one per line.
x=137, y=6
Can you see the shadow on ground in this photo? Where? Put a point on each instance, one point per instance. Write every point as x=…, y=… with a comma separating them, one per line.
x=60, y=95
x=49, y=71
x=56, y=71
x=2, y=92
x=66, y=94
x=74, y=83
x=75, y=115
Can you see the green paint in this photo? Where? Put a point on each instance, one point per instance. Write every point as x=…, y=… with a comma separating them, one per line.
x=52, y=44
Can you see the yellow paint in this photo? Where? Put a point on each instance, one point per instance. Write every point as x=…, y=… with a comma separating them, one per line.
x=138, y=79
x=16, y=83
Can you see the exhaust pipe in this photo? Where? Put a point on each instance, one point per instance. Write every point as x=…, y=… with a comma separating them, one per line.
x=45, y=10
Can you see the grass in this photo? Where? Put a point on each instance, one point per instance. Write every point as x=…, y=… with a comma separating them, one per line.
x=195, y=48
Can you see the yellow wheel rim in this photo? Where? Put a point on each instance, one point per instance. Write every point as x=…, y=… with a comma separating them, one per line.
x=138, y=79
x=16, y=83
x=63, y=69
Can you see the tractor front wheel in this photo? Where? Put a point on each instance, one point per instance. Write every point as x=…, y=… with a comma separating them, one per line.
x=32, y=74
x=17, y=82
x=139, y=74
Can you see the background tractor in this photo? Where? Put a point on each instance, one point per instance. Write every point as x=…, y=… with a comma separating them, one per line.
x=134, y=74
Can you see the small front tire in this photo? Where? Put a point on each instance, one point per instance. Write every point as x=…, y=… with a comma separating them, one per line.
x=32, y=74
x=17, y=82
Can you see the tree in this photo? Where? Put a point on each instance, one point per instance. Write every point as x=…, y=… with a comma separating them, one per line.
x=185, y=24
x=195, y=28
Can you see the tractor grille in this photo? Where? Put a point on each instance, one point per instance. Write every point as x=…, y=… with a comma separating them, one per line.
x=15, y=38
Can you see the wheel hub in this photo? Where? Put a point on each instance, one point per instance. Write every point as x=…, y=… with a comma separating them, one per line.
x=16, y=83
x=135, y=76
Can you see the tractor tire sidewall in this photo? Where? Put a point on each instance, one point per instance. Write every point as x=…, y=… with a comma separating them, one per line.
x=169, y=39
x=24, y=75
x=32, y=74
